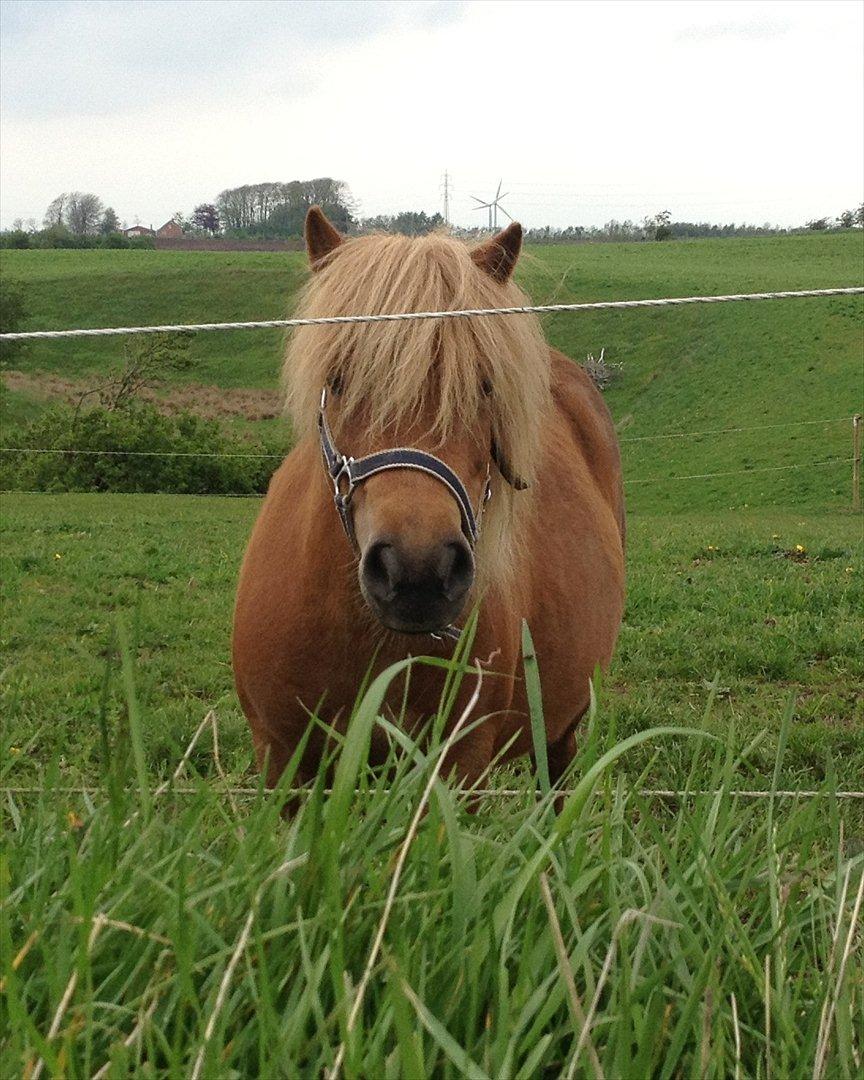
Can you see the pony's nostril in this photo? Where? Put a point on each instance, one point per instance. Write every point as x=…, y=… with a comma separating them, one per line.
x=381, y=570
x=417, y=591
x=456, y=569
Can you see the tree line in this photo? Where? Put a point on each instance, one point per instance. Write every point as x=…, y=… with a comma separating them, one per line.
x=276, y=210
x=662, y=227
x=72, y=219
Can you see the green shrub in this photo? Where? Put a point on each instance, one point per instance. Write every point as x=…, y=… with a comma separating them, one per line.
x=15, y=238
x=60, y=237
x=134, y=448
x=13, y=312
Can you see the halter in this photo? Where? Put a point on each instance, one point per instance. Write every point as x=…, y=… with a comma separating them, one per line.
x=347, y=473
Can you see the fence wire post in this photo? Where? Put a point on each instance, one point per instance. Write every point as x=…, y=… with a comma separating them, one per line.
x=856, y=461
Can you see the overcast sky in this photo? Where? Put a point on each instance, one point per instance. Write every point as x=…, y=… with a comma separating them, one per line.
x=718, y=111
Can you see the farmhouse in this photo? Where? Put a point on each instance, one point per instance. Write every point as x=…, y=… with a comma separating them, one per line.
x=138, y=230
x=170, y=228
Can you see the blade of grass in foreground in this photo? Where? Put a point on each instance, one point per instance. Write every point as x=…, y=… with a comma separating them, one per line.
x=134, y=715
x=455, y=1053
x=535, y=708
x=573, y=807
x=356, y=749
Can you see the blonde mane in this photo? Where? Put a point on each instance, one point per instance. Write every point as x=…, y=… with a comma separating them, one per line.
x=395, y=371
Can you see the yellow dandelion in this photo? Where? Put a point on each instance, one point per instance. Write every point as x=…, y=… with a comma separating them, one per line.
x=775, y=536
x=17, y=749
x=57, y=555
x=850, y=569
x=800, y=549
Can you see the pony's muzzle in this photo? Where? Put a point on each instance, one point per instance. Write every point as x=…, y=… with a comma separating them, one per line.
x=417, y=592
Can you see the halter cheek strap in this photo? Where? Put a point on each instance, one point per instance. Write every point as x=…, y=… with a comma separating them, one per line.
x=347, y=473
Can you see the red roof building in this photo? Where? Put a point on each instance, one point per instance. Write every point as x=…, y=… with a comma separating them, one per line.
x=170, y=228
x=138, y=230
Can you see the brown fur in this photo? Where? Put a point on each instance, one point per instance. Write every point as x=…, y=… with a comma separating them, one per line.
x=552, y=555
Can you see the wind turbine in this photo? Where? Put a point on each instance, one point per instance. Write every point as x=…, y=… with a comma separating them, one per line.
x=493, y=206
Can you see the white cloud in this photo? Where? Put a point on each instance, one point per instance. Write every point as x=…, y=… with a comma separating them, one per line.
x=587, y=110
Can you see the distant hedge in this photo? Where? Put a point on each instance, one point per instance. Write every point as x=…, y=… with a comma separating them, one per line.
x=135, y=448
x=52, y=238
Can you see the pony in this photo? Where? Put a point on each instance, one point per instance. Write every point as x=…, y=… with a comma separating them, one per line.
x=441, y=465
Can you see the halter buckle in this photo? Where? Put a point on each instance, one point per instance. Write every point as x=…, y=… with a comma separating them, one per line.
x=344, y=471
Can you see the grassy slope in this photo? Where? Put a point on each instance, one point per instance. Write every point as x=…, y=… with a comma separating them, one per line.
x=123, y=288
x=685, y=369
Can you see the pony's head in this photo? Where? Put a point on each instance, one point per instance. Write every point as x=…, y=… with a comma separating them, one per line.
x=473, y=392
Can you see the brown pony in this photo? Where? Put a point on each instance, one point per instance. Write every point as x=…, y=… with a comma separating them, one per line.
x=504, y=416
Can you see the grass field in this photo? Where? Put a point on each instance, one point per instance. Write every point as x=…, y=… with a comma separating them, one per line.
x=729, y=629
x=688, y=369
x=706, y=594
x=192, y=932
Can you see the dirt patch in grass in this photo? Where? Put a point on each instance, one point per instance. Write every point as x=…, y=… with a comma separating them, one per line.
x=213, y=402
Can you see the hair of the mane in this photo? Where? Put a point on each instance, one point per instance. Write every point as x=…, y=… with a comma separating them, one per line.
x=394, y=370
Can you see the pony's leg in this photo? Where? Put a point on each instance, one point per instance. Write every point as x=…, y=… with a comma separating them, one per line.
x=560, y=754
x=273, y=752
x=470, y=758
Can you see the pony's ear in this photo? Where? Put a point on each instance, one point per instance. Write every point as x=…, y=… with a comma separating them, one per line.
x=498, y=256
x=321, y=237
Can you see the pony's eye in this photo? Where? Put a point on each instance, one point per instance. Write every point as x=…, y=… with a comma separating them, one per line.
x=486, y=387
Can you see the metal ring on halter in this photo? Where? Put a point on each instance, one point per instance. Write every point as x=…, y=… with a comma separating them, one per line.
x=345, y=471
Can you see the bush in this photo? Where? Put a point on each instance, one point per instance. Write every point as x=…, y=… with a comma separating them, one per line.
x=601, y=371
x=13, y=312
x=15, y=238
x=60, y=237
x=146, y=363
x=125, y=448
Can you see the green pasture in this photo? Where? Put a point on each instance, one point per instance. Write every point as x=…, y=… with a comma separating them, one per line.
x=708, y=594
x=187, y=931
x=199, y=929
x=699, y=368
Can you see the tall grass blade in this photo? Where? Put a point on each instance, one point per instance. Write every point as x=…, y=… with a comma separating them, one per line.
x=134, y=715
x=573, y=807
x=355, y=752
x=454, y=1052
x=535, y=708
